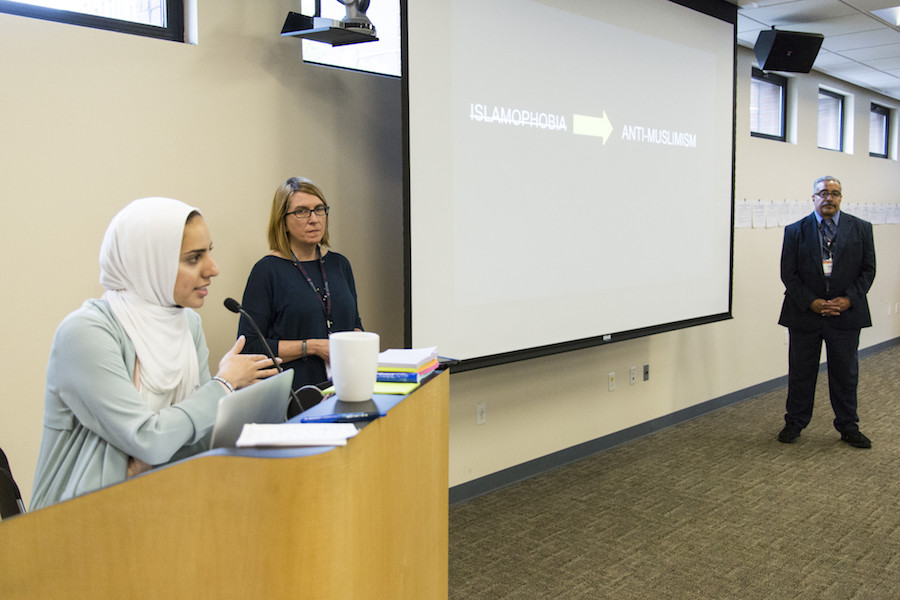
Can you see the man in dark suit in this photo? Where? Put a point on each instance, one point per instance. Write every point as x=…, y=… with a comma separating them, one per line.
x=827, y=266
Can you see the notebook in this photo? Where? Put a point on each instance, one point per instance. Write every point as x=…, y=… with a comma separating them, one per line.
x=265, y=401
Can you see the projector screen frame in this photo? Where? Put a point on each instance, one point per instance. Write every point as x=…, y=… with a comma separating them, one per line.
x=719, y=9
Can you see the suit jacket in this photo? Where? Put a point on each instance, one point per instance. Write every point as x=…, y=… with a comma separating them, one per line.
x=804, y=278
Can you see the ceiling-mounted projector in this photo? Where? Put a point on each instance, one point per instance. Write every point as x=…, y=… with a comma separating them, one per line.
x=329, y=31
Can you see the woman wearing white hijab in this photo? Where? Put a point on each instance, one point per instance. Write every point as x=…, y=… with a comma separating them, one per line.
x=128, y=383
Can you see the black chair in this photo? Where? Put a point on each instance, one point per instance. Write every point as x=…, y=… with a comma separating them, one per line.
x=10, y=498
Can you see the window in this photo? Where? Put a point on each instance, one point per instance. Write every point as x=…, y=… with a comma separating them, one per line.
x=879, y=126
x=768, y=105
x=381, y=57
x=153, y=18
x=831, y=122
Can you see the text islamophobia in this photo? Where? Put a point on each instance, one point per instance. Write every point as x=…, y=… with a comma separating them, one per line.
x=516, y=117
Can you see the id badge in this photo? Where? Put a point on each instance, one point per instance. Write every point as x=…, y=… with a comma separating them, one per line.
x=827, y=265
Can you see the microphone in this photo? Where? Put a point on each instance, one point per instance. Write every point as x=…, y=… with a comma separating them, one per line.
x=235, y=307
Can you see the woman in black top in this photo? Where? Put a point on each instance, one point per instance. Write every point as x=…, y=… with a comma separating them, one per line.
x=301, y=291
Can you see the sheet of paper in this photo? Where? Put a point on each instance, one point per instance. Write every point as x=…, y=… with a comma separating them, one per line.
x=406, y=357
x=256, y=435
x=759, y=214
x=743, y=215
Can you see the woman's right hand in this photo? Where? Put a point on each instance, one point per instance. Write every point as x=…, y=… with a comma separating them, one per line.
x=241, y=370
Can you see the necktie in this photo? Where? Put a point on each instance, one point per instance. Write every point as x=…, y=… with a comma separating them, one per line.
x=828, y=233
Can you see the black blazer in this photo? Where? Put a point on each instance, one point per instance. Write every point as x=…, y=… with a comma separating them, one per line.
x=804, y=279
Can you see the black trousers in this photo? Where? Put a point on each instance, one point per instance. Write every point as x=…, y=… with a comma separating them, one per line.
x=841, y=347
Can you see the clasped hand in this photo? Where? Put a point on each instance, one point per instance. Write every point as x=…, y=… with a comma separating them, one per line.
x=830, y=308
x=242, y=370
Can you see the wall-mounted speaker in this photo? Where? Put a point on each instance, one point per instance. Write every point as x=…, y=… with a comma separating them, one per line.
x=792, y=51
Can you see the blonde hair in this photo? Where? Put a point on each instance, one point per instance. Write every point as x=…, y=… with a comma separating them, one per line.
x=278, y=236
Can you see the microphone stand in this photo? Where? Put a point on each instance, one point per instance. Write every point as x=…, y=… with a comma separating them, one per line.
x=235, y=307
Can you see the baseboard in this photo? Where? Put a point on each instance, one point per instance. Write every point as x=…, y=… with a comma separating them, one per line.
x=495, y=481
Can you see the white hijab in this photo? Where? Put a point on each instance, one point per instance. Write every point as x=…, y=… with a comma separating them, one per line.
x=139, y=261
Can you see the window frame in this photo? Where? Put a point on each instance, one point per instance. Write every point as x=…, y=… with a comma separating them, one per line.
x=173, y=31
x=885, y=112
x=842, y=99
x=781, y=82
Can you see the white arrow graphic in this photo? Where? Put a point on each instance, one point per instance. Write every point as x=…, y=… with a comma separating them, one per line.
x=595, y=126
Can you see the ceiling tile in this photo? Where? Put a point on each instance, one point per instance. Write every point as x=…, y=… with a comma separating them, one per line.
x=800, y=11
x=747, y=24
x=866, y=39
x=856, y=23
x=869, y=5
x=889, y=65
x=830, y=59
x=751, y=4
x=869, y=55
x=877, y=79
x=846, y=70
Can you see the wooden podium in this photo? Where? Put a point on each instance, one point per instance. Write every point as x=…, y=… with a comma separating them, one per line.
x=368, y=520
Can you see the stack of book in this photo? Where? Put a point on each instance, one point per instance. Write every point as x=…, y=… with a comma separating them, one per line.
x=407, y=366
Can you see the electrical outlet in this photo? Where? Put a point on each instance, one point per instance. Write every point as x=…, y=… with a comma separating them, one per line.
x=633, y=375
x=480, y=414
x=612, y=381
x=646, y=372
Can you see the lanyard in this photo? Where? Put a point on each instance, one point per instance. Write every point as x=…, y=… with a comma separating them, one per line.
x=827, y=239
x=325, y=298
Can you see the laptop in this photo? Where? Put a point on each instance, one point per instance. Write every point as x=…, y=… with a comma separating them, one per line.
x=265, y=401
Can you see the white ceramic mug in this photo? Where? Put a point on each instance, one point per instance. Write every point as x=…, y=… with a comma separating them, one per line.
x=354, y=364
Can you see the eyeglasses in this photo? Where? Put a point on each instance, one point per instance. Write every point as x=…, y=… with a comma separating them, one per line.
x=303, y=212
x=827, y=194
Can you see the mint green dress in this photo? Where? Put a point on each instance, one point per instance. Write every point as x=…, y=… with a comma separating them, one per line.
x=94, y=417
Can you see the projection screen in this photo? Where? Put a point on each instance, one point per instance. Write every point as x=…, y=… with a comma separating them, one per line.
x=570, y=171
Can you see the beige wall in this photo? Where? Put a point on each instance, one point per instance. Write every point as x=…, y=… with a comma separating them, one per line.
x=90, y=120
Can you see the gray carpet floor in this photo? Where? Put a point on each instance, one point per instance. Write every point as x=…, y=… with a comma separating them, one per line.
x=714, y=508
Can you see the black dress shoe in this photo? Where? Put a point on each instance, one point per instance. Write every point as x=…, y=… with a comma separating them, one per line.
x=789, y=434
x=856, y=439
